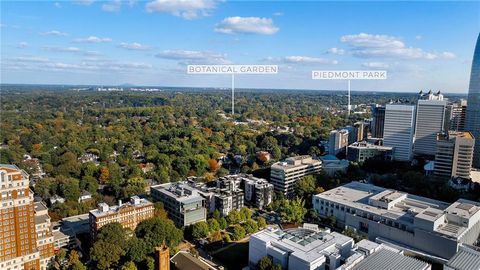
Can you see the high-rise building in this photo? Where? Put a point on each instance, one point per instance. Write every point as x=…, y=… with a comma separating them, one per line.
x=127, y=214
x=458, y=112
x=338, y=142
x=378, y=121
x=429, y=121
x=454, y=155
x=285, y=174
x=26, y=240
x=359, y=131
x=399, y=130
x=472, y=122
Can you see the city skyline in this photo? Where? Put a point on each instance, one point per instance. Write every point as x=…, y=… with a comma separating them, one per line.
x=127, y=42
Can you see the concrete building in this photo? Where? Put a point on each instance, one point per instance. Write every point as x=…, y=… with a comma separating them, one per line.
x=300, y=248
x=458, y=113
x=399, y=130
x=26, y=241
x=467, y=258
x=184, y=204
x=361, y=151
x=419, y=224
x=454, y=155
x=127, y=214
x=360, y=133
x=429, y=121
x=338, y=142
x=309, y=247
x=472, y=121
x=284, y=175
x=332, y=165
x=378, y=121
x=258, y=191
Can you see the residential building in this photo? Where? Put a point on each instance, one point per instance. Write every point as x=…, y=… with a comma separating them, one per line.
x=63, y=238
x=338, y=141
x=467, y=258
x=457, y=116
x=309, y=247
x=127, y=214
x=284, y=175
x=420, y=224
x=258, y=191
x=472, y=121
x=26, y=241
x=360, y=133
x=45, y=240
x=399, y=130
x=378, y=121
x=361, y=151
x=184, y=204
x=332, y=165
x=454, y=155
x=429, y=121
x=84, y=196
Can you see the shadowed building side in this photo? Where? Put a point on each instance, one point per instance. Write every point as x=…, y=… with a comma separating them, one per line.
x=472, y=122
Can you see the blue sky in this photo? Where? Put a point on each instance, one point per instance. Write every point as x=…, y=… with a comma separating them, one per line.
x=422, y=45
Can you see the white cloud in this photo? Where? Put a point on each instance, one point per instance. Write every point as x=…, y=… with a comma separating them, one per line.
x=418, y=37
x=31, y=59
x=246, y=25
x=57, y=5
x=84, y=2
x=295, y=59
x=448, y=55
x=22, y=45
x=278, y=14
x=92, y=39
x=194, y=57
x=134, y=46
x=112, y=6
x=54, y=33
x=370, y=46
x=70, y=50
x=187, y=9
x=376, y=65
x=336, y=51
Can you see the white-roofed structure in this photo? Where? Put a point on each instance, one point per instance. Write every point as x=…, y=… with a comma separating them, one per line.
x=467, y=258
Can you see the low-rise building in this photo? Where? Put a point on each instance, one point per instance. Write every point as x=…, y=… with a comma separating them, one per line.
x=127, y=214
x=467, y=258
x=332, y=165
x=361, y=151
x=184, y=203
x=284, y=175
x=402, y=219
x=84, y=196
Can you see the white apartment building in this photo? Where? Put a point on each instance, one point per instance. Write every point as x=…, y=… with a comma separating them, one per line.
x=285, y=174
x=399, y=130
x=429, y=121
x=423, y=225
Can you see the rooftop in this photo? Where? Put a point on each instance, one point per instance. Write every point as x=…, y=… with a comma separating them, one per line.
x=386, y=259
x=185, y=261
x=297, y=161
x=467, y=258
x=366, y=145
x=181, y=191
x=104, y=209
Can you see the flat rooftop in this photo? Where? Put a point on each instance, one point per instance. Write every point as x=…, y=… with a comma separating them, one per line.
x=118, y=208
x=180, y=191
x=366, y=145
x=306, y=244
x=294, y=162
x=403, y=209
x=389, y=260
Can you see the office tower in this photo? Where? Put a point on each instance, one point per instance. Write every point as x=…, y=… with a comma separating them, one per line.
x=284, y=175
x=472, y=122
x=378, y=115
x=454, y=155
x=399, y=130
x=127, y=214
x=26, y=240
x=457, y=116
x=429, y=121
x=338, y=141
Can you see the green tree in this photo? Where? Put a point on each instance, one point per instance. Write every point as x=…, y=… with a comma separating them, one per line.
x=129, y=266
x=265, y=263
x=233, y=217
x=250, y=226
x=213, y=225
x=238, y=232
x=200, y=230
x=293, y=211
x=245, y=213
x=110, y=246
x=156, y=230
x=262, y=223
x=306, y=186
x=137, y=249
x=222, y=223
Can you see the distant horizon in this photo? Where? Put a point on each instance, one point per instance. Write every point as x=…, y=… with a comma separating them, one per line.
x=226, y=88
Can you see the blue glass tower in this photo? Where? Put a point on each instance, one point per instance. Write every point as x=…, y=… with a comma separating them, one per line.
x=472, y=122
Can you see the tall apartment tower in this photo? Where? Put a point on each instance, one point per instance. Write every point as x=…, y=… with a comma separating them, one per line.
x=472, y=122
x=378, y=121
x=399, y=130
x=338, y=141
x=457, y=116
x=284, y=175
x=429, y=121
x=454, y=155
x=25, y=238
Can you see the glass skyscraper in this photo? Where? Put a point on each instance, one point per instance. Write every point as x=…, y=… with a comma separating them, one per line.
x=472, y=122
